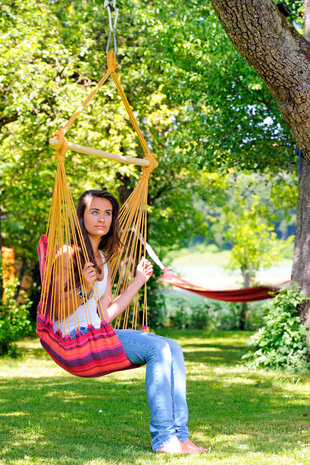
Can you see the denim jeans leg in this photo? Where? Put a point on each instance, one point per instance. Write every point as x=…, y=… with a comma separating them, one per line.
x=73, y=332
x=178, y=390
x=164, y=382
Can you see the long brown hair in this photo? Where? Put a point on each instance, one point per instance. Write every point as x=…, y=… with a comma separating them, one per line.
x=110, y=242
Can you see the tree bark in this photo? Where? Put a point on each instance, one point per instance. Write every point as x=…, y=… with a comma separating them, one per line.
x=301, y=258
x=281, y=57
x=301, y=262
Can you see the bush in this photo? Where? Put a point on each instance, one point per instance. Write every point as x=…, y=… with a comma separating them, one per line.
x=194, y=317
x=225, y=316
x=14, y=319
x=212, y=314
x=180, y=318
x=200, y=318
x=281, y=342
x=156, y=301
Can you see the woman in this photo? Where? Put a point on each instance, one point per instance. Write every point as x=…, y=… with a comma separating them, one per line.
x=165, y=383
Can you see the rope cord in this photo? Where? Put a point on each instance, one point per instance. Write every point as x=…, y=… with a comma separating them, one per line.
x=65, y=239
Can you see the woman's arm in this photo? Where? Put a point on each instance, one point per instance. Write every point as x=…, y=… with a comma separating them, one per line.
x=113, y=308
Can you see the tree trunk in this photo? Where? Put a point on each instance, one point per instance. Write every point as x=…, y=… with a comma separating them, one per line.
x=244, y=305
x=301, y=259
x=281, y=57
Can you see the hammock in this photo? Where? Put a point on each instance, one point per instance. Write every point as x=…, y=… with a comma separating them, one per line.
x=99, y=351
x=246, y=294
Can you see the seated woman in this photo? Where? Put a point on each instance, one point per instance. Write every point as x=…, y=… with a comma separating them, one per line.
x=165, y=382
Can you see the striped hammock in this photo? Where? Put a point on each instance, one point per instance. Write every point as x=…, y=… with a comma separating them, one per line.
x=96, y=353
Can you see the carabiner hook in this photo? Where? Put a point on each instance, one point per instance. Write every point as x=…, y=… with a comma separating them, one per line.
x=112, y=8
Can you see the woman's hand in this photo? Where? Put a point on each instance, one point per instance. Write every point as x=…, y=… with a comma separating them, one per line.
x=90, y=275
x=144, y=270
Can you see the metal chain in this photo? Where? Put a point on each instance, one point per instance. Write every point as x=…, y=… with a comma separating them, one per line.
x=111, y=6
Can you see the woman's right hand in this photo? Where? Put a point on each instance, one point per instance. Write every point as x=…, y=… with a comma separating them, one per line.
x=90, y=274
x=144, y=270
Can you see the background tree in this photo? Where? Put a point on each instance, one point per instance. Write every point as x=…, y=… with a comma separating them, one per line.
x=242, y=218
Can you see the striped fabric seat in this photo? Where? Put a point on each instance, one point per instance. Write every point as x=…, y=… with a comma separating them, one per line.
x=96, y=353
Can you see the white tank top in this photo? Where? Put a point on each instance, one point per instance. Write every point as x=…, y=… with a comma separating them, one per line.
x=86, y=314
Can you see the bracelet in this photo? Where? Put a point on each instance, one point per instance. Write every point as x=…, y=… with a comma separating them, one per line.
x=81, y=294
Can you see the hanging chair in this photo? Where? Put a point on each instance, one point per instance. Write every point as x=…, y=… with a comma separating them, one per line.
x=99, y=351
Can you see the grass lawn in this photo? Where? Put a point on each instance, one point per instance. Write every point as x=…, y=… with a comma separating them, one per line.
x=244, y=417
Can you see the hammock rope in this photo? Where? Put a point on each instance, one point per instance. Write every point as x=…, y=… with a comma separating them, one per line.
x=60, y=254
x=132, y=218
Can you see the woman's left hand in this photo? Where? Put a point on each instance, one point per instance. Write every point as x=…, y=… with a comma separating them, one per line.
x=144, y=270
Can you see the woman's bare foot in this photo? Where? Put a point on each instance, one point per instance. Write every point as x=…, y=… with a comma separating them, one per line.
x=174, y=446
x=193, y=446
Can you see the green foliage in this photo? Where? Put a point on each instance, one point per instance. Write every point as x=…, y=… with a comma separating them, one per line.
x=180, y=318
x=246, y=216
x=200, y=318
x=216, y=315
x=53, y=53
x=193, y=317
x=297, y=9
x=155, y=301
x=14, y=319
x=225, y=316
x=281, y=342
x=228, y=117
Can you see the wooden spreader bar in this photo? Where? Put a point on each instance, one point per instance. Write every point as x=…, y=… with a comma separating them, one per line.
x=100, y=153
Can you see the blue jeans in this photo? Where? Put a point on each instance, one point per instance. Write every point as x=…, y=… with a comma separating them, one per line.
x=164, y=382
x=82, y=329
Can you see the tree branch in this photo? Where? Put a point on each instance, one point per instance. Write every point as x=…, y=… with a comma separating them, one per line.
x=4, y=120
x=279, y=55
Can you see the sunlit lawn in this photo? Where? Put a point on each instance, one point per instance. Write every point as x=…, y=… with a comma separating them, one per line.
x=48, y=416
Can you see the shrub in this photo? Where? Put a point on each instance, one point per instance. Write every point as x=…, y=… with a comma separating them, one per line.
x=14, y=319
x=212, y=314
x=225, y=316
x=156, y=302
x=281, y=342
x=180, y=318
x=196, y=317
x=200, y=318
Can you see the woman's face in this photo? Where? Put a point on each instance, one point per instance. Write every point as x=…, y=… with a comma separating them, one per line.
x=97, y=216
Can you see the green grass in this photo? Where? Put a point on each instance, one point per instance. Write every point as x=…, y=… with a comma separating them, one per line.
x=244, y=417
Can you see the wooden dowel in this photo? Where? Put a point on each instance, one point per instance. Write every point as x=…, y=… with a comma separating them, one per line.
x=102, y=154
